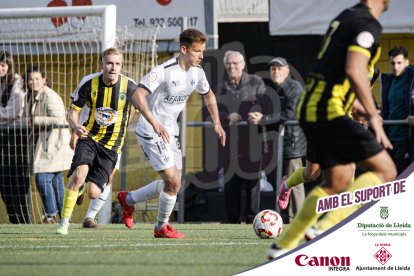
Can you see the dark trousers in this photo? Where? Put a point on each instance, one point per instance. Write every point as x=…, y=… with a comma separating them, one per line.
x=232, y=196
x=14, y=175
x=400, y=154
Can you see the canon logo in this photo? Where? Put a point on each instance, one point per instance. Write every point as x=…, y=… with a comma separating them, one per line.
x=303, y=260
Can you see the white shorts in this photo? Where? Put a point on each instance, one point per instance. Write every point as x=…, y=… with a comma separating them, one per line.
x=161, y=155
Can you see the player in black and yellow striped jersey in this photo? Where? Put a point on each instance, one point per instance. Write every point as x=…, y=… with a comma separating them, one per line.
x=312, y=170
x=350, y=48
x=109, y=109
x=101, y=137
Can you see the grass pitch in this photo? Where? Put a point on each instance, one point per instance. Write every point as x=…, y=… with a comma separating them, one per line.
x=208, y=249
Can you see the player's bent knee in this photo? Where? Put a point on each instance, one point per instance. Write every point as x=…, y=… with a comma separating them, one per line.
x=93, y=191
x=389, y=175
x=388, y=171
x=172, y=186
x=311, y=176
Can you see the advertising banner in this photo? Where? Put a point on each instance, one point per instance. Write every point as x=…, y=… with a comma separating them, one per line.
x=375, y=240
x=171, y=15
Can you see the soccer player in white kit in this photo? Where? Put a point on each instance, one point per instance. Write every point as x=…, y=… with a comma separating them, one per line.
x=160, y=97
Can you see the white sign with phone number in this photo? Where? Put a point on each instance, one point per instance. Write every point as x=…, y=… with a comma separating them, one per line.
x=166, y=13
x=170, y=14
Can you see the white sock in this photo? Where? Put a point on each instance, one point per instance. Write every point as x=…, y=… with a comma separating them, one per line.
x=165, y=207
x=96, y=204
x=149, y=191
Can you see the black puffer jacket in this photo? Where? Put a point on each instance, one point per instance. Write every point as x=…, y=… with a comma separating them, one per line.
x=289, y=93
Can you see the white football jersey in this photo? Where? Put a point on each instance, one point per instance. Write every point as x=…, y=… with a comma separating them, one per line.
x=170, y=87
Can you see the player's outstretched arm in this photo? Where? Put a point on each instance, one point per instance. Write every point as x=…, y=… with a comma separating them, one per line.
x=73, y=140
x=357, y=72
x=132, y=112
x=211, y=104
x=73, y=120
x=139, y=100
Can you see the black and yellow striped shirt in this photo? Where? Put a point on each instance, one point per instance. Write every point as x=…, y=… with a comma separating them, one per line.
x=328, y=91
x=109, y=109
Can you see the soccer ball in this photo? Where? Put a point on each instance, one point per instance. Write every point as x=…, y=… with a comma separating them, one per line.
x=268, y=224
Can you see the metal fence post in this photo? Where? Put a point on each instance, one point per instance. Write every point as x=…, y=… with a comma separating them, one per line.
x=279, y=168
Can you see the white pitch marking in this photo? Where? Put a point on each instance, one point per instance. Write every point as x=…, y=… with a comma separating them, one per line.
x=127, y=245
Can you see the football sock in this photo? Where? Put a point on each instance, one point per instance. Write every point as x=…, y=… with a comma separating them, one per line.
x=165, y=207
x=303, y=220
x=149, y=191
x=96, y=204
x=69, y=201
x=295, y=178
x=368, y=179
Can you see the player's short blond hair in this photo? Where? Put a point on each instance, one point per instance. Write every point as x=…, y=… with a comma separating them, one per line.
x=111, y=51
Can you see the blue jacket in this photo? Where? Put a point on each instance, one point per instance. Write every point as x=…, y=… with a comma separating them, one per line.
x=386, y=80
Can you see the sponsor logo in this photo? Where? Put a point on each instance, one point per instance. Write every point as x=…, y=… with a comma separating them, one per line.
x=152, y=76
x=384, y=212
x=333, y=263
x=178, y=99
x=105, y=116
x=164, y=2
x=122, y=95
x=365, y=39
x=384, y=228
x=383, y=255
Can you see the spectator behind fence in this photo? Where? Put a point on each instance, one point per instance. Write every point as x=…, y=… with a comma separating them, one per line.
x=14, y=174
x=52, y=153
x=398, y=104
x=239, y=94
x=294, y=146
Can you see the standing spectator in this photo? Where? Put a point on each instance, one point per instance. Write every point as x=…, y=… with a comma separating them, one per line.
x=240, y=94
x=52, y=153
x=294, y=146
x=397, y=88
x=14, y=170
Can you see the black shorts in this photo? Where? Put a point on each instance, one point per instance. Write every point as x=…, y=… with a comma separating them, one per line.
x=340, y=141
x=311, y=155
x=101, y=161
